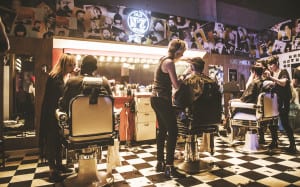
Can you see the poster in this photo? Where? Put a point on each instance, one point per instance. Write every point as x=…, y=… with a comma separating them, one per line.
x=232, y=75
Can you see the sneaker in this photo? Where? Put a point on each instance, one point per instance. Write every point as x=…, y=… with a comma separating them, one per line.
x=273, y=145
x=55, y=177
x=291, y=149
x=64, y=169
x=160, y=166
x=171, y=171
x=261, y=141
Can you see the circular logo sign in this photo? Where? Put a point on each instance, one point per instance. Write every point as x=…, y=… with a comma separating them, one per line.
x=138, y=22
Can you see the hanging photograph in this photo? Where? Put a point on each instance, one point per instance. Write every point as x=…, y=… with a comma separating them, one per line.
x=232, y=75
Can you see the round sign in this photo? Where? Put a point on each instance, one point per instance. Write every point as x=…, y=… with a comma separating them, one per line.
x=138, y=22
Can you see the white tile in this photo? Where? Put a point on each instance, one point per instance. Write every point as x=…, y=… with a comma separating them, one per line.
x=19, y=178
x=270, y=181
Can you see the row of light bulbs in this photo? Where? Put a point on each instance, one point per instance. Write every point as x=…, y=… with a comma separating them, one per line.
x=118, y=59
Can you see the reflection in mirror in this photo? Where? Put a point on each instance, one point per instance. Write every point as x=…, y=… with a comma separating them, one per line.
x=20, y=108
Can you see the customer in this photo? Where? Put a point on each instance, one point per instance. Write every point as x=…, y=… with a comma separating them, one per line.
x=250, y=95
x=161, y=101
x=281, y=80
x=74, y=85
x=204, y=94
x=50, y=138
x=4, y=42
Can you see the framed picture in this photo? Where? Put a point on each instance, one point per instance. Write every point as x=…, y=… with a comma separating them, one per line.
x=232, y=75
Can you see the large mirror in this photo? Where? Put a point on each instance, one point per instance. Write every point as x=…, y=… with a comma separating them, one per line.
x=19, y=96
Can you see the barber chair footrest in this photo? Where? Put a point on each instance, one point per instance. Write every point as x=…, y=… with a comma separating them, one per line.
x=193, y=167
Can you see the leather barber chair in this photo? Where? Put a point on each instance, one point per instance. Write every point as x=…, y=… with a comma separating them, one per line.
x=202, y=118
x=91, y=126
x=246, y=119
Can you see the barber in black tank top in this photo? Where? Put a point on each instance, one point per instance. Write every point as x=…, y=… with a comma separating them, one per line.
x=161, y=101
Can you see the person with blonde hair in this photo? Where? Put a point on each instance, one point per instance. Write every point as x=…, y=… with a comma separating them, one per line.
x=49, y=138
x=161, y=101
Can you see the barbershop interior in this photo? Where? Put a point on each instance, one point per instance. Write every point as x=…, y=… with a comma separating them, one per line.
x=137, y=118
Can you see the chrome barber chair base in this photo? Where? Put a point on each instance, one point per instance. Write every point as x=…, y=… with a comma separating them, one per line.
x=197, y=166
x=258, y=150
x=251, y=144
x=87, y=176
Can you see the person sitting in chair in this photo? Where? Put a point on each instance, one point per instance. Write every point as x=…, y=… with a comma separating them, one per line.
x=250, y=95
x=74, y=85
x=204, y=93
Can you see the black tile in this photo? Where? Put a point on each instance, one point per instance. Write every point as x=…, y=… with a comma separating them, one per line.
x=223, y=164
x=222, y=157
x=14, y=159
x=221, y=183
x=130, y=157
x=5, y=180
x=148, y=159
x=250, y=165
x=131, y=174
x=222, y=173
x=32, y=154
x=279, y=167
x=29, y=161
x=41, y=175
x=253, y=175
x=9, y=168
x=159, y=178
x=254, y=184
x=188, y=181
x=121, y=184
x=247, y=158
x=142, y=166
x=273, y=159
x=20, y=184
x=25, y=171
x=286, y=177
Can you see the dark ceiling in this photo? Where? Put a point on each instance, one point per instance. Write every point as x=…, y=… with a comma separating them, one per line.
x=289, y=9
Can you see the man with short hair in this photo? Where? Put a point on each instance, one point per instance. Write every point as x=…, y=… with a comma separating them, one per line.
x=74, y=84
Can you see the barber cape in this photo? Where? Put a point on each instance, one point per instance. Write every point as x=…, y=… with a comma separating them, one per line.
x=194, y=87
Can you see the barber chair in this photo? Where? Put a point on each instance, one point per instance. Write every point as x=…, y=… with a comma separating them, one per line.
x=201, y=117
x=91, y=126
x=246, y=119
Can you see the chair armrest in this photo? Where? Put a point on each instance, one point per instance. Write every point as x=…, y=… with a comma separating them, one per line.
x=237, y=104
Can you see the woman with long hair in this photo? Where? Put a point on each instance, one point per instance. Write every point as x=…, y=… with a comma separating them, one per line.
x=49, y=137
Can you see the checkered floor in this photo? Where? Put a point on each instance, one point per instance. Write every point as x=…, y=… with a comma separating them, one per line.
x=230, y=168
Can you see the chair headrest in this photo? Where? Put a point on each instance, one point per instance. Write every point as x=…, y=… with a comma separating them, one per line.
x=92, y=87
x=92, y=81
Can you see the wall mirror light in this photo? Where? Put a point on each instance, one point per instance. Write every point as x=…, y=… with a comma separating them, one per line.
x=19, y=96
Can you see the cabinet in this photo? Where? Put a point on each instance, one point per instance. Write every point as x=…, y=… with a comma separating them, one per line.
x=145, y=119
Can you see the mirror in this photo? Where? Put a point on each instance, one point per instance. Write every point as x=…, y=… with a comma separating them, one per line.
x=19, y=96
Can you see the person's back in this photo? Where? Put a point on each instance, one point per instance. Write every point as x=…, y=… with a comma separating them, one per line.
x=207, y=100
x=75, y=86
x=203, y=96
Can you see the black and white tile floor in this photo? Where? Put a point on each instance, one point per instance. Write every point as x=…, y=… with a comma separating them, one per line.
x=230, y=168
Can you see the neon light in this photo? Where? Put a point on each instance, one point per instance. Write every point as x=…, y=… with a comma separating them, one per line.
x=138, y=22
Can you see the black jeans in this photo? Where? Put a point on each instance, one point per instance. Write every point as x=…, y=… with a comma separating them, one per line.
x=284, y=109
x=167, y=128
